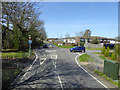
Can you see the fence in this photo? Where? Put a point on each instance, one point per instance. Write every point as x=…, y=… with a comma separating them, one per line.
x=93, y=45
x=95, y=63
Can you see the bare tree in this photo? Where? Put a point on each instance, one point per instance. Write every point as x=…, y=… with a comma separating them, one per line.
x=79, y=34
x=67, y=35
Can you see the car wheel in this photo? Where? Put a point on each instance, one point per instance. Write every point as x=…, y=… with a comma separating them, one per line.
x=73, y=51
x=83, y=51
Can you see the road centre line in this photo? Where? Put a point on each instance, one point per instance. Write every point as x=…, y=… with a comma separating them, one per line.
x=88, y=72
x=54, y=63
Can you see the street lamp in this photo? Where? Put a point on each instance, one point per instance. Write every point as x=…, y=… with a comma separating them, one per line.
x=29, y=42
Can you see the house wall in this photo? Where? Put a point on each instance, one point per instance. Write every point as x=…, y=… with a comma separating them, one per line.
x=69, y=40
x=77, y=41
x=69, y=44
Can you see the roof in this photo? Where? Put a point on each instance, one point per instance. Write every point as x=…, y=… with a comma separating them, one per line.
x=93, y=37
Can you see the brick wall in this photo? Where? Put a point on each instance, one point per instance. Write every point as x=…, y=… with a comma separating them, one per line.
x=69, y=44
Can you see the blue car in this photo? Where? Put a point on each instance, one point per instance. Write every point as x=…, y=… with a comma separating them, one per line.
x=78, y=48
x=45, y=46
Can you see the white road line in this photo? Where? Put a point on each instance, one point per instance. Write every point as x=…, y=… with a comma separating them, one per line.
x=88, y=72
x=43, y=61
x=54, y=63
x=31, y=65
x=54, y=56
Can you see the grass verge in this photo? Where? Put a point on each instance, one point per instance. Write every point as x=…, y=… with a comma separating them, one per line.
x=103, y=75
x=8, y=76
x=63, y=46
x=19, y=54
x=102, y=57
x=97, y=53
x=85, y=58
x=66, y=46
x=93, y=48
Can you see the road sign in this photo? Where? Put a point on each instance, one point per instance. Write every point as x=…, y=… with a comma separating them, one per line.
x=29, y=41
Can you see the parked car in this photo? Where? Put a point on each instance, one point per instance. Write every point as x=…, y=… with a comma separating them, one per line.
x=45, y=46
x=51, y=46
x=78, y=48
x=111, y=46
x=60, y=44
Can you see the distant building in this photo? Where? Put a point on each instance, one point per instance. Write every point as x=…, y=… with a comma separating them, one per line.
x=89, y=39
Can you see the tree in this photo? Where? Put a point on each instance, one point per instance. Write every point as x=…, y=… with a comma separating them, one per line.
x=87, y=33
x=82, y=43
x=67, y=35
x=79, y=34
x=19, y=25
x=95, y=41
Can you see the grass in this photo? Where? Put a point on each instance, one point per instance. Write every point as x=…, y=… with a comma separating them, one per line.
x=93, y=48
x=63, y=46
x=103, y=75
x=19, y=54
x=102, y=57
x=8, y=75
x=96, y=53
x=66, y=46
x=85, y=58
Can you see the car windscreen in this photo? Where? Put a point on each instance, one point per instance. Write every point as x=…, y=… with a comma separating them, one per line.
x=75, y=47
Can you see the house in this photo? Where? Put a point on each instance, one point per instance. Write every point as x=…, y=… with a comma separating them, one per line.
x=69, y=41
x=89, y=39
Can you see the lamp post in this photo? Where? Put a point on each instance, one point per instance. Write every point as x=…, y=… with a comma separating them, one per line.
x=29, y=42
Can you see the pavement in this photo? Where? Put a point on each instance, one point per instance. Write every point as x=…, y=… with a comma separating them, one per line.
x=56, y=68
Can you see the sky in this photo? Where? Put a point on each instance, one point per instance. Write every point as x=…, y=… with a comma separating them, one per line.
x=72, y=17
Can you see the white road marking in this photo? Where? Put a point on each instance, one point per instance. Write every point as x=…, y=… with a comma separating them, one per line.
x=31, y=65
x=53, y=56
x=29, y=68
x=44, y=59
x=50, y=50
x=54, y=63
x=88, y=72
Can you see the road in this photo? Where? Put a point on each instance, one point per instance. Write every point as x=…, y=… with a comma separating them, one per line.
x=57, y=68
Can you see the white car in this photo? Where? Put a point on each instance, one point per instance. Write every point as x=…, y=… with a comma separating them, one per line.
x=51, y=46
x=60, y=44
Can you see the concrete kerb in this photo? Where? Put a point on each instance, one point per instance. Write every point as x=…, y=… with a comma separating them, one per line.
x=103, y=80
x=77, y=61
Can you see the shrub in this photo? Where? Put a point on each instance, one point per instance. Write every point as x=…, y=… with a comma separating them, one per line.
x=108, y=53
x=113, y=57
x=82, y=43
x=95, y=41
x=103, y=50
x=117, y=52
x=105, y=53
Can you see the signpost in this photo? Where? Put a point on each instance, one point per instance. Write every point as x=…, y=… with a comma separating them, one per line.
x=29, y=42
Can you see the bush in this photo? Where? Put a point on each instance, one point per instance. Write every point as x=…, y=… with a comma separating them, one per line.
x=82, y=43
x=113, y=57
x=117, y=52
x=95, y=41
x=108, y=54
x=103, y=50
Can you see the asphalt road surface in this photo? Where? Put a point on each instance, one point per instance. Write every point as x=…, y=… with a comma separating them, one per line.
x=57, y=68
